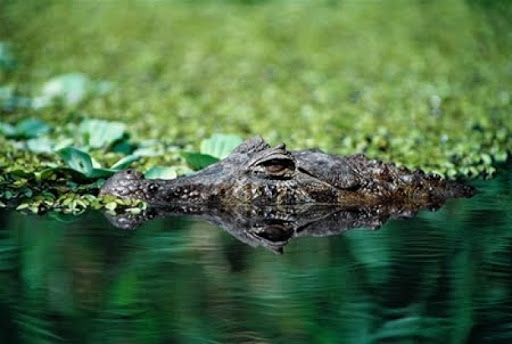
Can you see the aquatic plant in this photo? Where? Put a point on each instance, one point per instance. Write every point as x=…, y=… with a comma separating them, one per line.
x=337, y=76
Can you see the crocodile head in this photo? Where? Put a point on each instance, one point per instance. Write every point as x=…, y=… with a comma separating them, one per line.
x=256, y=173
x=253, y=173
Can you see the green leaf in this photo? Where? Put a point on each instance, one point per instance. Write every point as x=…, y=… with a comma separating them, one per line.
x=70, y=88
x=7, y=130
x=199, y=161
x=31, y=127
x=123, y=147
x=77, y=160
x=220, y=145
x=9, y=99
x=22, y=206
x=28, y=128
x=45, y=174
x=100, y=133
x=40, y=145
x=101, y=173
x=125, y=162
x=161, y=172
x=95, y=163
x=111, y=205
x=82, y=162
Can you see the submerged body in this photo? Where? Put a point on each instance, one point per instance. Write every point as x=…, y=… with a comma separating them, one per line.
x=255, y=173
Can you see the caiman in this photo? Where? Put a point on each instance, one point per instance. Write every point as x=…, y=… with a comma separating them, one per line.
x=273, y=226
x=257, y=174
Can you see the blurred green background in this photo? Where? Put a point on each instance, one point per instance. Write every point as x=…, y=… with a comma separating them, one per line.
x=423, y=83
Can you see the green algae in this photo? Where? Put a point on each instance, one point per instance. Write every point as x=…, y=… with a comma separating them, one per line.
x=423, y=84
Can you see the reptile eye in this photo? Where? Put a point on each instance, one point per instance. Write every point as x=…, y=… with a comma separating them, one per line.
x=277, y=167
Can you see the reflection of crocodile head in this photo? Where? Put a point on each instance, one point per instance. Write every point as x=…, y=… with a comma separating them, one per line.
x=255, y=173
x=273, y=226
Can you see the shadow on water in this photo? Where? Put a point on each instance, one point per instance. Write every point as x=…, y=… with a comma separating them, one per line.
x=443, y=276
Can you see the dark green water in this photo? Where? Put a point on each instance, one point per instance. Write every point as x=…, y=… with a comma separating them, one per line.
x=441, y=277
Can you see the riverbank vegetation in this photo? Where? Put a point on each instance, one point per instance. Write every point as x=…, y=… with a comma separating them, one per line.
x=88, y=88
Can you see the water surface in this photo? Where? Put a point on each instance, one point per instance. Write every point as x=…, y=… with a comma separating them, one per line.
x=440, y=277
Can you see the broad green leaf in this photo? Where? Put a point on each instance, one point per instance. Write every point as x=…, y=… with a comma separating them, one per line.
x=101, y=173
x=70, y=88
x=28, y=128
x=95, y=163
x=150, y=148
x=40, y=145
x=7, y=130
x=199, y=161
x=125, y=162
x=63, y=143
x=161, y=172
x=77, y=160
x=148, y=151
x=31, y=127
x=9, y=99
x=220, y=145
x=123, y=147
x=100, y=133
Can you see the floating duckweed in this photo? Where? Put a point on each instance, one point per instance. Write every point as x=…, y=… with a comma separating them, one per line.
x=22, y=206
x=389, y=98
x=111, y=206
x=133, y=211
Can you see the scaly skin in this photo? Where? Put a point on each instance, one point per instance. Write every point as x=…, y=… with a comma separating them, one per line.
x=257, y=174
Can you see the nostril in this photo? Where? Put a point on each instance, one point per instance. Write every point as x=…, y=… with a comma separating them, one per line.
x=153, y=188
